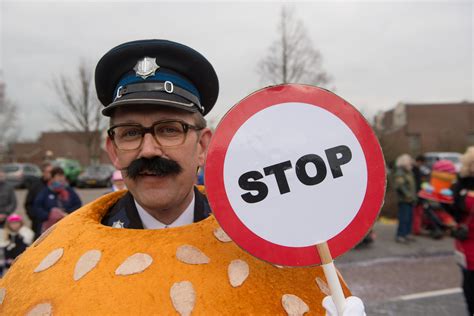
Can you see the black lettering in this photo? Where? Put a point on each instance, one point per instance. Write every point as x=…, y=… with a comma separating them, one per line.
x=248, y=185
x=336, y=163
x=279, y=171
x=303, y=176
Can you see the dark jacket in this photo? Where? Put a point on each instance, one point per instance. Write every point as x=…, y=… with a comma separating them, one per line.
x=47, y=199
x=35, y=188
x=125, y=211
x=7, y=199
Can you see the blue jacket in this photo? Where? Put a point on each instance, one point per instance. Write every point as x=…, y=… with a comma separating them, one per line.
x=47, y=199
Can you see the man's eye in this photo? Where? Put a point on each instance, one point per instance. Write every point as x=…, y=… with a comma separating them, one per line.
x=130, y=133
x=168, y=130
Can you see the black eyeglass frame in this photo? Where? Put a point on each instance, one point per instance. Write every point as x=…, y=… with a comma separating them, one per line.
x=151, y=130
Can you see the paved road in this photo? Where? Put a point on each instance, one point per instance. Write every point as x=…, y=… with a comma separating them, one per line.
x=421, y=278
x=418, y=279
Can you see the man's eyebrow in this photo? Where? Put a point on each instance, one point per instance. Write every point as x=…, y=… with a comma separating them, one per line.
x=129, y=121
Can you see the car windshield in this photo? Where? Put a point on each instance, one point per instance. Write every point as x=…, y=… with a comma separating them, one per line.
x=10, y=168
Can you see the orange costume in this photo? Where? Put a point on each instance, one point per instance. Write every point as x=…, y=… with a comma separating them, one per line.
x=83, y=267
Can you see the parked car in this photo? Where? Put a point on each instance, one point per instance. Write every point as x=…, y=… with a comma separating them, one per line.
x=96, y=176
x=72, y=168
x=21, y=175
x=432, y=157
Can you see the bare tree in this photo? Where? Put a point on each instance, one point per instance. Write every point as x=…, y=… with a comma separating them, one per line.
x=8, y=120
x=81, y=111
x=292, y=58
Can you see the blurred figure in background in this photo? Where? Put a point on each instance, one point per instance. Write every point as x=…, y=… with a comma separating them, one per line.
x=463, y=192
x=55, y=201
x=406, y=192
x=117, y=181
x=420, y=171
x=33, y=191
x=7, y=199
x=17, y=237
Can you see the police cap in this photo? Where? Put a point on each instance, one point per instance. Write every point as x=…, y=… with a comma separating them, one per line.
x=156, y=73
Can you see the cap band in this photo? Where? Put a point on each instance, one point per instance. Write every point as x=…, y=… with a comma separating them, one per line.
x=167, y=87
x=157, y=77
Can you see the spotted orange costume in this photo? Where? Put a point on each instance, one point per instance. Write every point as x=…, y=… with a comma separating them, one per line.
x=84, y=267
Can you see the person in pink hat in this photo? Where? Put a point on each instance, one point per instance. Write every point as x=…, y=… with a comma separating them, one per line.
x=17, y=237
x=117, y=181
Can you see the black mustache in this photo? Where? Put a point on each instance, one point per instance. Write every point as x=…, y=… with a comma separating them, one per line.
x=156, y=165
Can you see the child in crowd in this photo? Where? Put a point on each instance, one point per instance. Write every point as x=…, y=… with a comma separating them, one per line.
x=17, y=237
x=117, y=181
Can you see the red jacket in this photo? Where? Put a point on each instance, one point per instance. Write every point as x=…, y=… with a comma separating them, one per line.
x=464, y=202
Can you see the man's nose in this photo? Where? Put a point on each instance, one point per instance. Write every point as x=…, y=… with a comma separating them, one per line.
x=150, y=148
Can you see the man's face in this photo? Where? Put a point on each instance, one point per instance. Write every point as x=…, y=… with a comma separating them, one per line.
x=47, y=172
x=170, y=191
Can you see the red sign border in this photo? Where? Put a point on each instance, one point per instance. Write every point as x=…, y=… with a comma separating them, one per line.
x=214, y=179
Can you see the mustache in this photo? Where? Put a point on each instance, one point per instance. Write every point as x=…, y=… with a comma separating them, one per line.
x=157, y=165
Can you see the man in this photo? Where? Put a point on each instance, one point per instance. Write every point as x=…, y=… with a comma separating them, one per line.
x=158, y=136
x=33, y=191
x=7, y=199
x=420, y=171
x=156, y=94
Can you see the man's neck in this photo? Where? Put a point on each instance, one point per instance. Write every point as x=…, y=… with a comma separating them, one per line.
x=168, y=216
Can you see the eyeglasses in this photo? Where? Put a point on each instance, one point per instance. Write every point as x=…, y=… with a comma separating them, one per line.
x=168, y=133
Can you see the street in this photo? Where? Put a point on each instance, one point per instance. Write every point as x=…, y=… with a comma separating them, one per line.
x=420, y=278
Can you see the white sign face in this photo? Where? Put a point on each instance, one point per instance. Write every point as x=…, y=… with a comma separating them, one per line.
x=295, y=174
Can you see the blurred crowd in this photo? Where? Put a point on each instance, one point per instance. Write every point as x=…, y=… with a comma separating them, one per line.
x=437, y=201
x=48, y=200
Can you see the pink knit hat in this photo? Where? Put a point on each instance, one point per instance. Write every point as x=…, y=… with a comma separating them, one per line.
x=14, y=218
x=444, y=166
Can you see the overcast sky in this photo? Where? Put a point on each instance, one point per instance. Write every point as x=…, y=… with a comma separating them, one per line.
x=378, y=53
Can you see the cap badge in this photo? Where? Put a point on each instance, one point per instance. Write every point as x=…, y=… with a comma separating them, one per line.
x=146, y=67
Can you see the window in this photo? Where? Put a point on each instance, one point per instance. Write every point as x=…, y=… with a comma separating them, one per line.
x=414, y=143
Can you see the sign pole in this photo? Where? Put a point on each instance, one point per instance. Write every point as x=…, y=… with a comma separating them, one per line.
x=331, y=276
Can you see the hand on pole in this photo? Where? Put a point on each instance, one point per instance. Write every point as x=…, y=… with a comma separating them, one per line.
x=353, y=307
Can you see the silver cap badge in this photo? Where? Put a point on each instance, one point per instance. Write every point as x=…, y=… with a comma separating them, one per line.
x=146, y=67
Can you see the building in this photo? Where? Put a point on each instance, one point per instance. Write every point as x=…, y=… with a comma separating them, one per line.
x=65, y=144
x=420, y=128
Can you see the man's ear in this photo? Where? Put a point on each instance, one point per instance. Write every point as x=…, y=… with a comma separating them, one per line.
x=112, y=152
x=204, y=140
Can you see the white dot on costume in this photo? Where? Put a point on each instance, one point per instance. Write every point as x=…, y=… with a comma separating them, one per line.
x=183, y=297
x=136, y=263
x=323, y=286
x=221, y=235
x=2, y=294
x=191, y=255
x=237, y=271
x=294, y=305
x=50, y=260
x=44, y=309
x=86, y=263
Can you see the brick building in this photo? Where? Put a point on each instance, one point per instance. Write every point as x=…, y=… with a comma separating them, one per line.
x=419, y=128
x=65, y=144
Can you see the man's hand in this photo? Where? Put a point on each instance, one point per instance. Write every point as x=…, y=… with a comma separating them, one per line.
x=353, y=307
